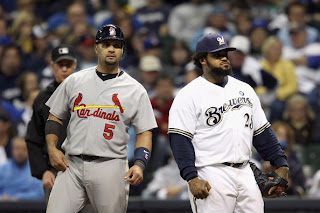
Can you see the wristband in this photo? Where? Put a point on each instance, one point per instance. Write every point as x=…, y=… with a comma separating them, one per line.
x=141, y=154
x=52, y=127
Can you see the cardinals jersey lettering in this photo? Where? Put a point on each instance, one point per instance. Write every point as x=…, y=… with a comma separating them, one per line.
x=101, y=111
x=202, y=110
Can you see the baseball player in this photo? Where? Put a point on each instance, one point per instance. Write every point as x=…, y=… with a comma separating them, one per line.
x=103, y=101
x=213, y=123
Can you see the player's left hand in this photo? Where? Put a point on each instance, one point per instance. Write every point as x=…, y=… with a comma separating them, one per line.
x=134, y=176
x=283, y=172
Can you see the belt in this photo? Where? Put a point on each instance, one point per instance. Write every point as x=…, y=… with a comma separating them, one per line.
x=87, y=157
x=235, y=165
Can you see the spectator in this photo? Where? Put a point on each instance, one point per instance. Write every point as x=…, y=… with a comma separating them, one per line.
x=27, y=113
x=167, y=183
x=283, y=71
x=179, y=56
x=11, y=67
x=249, y=70
x=301, y=119
x=297, y=179
x=258, y=34
x=191, y=72
x=306, y=58
x=16, y=182
x=21, y=31
x=7, y=132
x=27, y=82
x=243, y=23
x=297, y=13
x=182, y=26
x=314, y=101
x=154, y=16
x=218, y=23
x=120, y=8
x=161, y=103
x=76, y=13
x=150, y=67
x=314, y=191
x=87, y=55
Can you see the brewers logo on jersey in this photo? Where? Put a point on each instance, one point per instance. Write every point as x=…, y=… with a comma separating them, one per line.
x=204, y=112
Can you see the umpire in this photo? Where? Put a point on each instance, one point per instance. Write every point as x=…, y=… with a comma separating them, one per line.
x=63, y=64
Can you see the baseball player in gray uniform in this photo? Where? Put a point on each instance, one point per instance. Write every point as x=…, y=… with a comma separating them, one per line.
x=104, y=102
x=213, y=123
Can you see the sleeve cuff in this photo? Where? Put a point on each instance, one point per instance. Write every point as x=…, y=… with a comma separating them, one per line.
x=191, y=175
x=280, y=162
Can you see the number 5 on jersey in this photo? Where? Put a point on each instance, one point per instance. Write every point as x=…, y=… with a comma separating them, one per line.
x=108, y=131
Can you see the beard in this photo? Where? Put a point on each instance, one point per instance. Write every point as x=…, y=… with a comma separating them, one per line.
x=220, y=71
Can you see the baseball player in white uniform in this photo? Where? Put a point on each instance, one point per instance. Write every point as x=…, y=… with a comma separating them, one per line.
x=103, y=102
x=213, y=123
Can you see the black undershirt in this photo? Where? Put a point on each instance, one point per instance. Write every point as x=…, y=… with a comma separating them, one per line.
x=105, y=76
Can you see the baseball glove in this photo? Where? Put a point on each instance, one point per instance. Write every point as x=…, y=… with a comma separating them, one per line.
x=267, y=181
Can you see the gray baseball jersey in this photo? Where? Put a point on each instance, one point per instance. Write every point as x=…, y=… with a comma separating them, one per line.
x=101, y=113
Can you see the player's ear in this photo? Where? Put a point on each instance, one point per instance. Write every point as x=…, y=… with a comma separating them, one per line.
x=203, y=61
x=96, y=48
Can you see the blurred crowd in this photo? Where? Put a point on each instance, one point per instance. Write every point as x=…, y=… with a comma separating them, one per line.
x=278, y=54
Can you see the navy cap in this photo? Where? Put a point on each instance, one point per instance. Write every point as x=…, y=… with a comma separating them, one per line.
x=212, y=43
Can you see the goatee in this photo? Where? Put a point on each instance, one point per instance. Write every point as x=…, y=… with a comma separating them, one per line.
x=110, y=63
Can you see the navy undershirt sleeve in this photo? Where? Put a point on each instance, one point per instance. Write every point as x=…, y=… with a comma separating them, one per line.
x=184, y=155
x=267, y=145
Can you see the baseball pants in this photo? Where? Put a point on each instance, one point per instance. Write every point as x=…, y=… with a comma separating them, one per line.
x=101, y=181
x=233, y=190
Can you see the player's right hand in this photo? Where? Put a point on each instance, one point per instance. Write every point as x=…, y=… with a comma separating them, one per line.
x=199, y=188
x=48, y=179
x=57, y=159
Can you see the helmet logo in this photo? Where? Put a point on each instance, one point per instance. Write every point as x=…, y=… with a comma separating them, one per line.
x=220, y=40
x=112, y=31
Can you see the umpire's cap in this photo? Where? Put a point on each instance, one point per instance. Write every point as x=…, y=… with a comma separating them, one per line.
x=109, y=31
x=63, y=52
x=212, y=43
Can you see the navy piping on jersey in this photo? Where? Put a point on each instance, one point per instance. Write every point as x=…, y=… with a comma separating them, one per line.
x=105, y=76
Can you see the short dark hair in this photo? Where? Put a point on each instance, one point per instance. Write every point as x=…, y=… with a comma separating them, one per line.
x=197, y=57
x=294, y=4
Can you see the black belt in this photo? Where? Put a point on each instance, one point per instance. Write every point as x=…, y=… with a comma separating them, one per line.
x=87, y=157
x=235, y=165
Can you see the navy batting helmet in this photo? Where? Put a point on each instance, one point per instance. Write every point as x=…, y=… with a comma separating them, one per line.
x=109, y=31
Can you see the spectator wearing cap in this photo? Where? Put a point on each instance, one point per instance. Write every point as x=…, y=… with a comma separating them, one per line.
x=150, y=67
x=63, y=64
x=249, y=70
x=16, y=182
x=305, y=56
x=87, y=55
x=152, y=46
x=258, y=34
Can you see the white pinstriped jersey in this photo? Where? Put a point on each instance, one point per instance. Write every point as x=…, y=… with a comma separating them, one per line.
x=101, y=113
x=221, y=121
